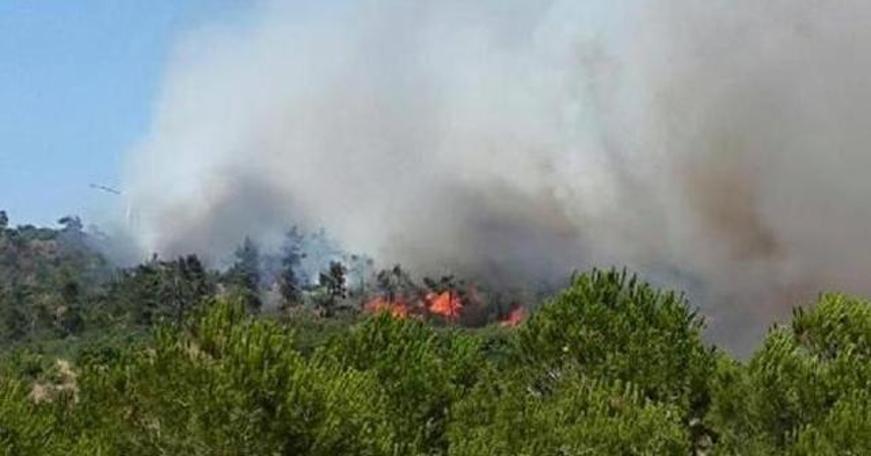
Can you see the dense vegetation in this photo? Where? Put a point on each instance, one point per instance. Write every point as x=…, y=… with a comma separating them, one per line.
x=187, y=362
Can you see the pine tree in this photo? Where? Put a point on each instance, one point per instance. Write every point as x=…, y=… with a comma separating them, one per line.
x=16, y=320
x=68, y=317
x=142, y=288
x=244, y=275
x=196, y=277
x=190, y=285
x=333, y=282
x=288, y=280
x=71, y=224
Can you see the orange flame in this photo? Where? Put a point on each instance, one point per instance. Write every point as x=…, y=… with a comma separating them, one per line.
x=397, y=308
x=514, y=318
x=447, y=304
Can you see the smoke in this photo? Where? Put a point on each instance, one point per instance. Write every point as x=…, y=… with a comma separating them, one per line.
x=716, y=145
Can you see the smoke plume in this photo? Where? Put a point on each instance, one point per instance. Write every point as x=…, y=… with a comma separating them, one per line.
x=718, y=145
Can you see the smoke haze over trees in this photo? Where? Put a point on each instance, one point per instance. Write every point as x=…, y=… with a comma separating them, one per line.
x=705, y=144
x=390, y=227
x=610, y=365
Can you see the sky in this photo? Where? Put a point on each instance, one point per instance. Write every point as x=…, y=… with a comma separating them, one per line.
x=77, y=84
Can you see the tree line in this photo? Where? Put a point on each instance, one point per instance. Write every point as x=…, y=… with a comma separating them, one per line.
x=267, y=357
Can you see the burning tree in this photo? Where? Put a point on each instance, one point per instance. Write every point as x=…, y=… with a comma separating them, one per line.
x=394, y=291
x=514, y=317
x=395, y=282
x=444, y=298
x=401, y=297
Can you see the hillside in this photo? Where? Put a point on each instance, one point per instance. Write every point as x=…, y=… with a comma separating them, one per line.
x=170, y=358
x=47, y=279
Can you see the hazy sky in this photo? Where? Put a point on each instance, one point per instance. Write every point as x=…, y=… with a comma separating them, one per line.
x=77, y=80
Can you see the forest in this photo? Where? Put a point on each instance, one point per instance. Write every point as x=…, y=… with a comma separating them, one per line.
x=307, y=352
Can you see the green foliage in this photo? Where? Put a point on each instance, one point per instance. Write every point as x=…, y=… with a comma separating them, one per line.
x=158, y=291
x=168, y=358
x=46, y=278
x=616, y=327
x=25, y=428
x=574, y=414
x=844, y=430
x=806, y=390
x=230, y=386
x=334, y=288
x=289, y=283
x=422, y=372
x=312, y=331
x=244, y=275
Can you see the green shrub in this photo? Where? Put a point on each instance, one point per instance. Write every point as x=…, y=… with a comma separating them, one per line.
x=25, y=428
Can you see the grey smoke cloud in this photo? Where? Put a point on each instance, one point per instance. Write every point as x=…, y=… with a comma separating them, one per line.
x=721, y=144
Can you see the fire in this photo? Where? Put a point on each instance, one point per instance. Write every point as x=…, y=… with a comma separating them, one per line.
x=514, y=318
x=447, y=304
x=397, y=308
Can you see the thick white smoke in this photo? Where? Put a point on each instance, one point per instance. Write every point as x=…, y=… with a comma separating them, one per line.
x=720, y=144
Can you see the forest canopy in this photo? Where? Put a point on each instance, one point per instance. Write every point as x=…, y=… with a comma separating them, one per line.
x=170, y=357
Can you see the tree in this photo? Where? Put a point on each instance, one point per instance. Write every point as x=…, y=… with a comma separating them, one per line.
x=4, y=220
x=333, y=282
x=288, y=280
x=244, y=275
x=71, y=223
x=575, y=415
x=188, y=285
x=607, y=322
x=395, y=282
x=16, y=320
x=196, y=277
x=72, y=236
x=359, y=267
x=807, y=387
x=139, y=291
x=160, y=291
x=68, y=317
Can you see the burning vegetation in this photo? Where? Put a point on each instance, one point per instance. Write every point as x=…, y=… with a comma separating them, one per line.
x=446, y=305
x=561, y=134
x=277, y=356
x=446, y=300
x=401, y=297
